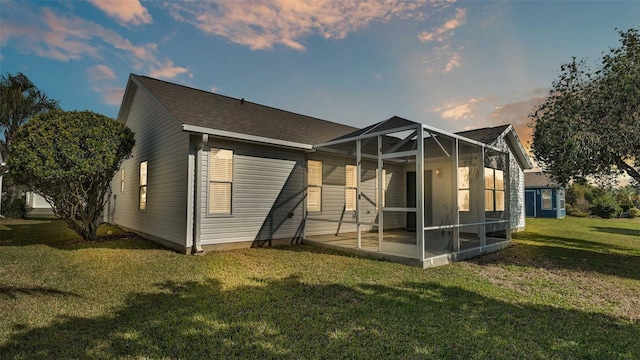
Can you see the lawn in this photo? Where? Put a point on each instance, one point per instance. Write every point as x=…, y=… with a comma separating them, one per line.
x=567, y=289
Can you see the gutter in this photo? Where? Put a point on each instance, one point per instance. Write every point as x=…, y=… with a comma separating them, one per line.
x=196, y=248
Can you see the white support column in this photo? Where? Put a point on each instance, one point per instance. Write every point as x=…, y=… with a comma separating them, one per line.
x=380, y=194
x=358, y=176
x=456, y=190
x=483, y=218
x=420, y=193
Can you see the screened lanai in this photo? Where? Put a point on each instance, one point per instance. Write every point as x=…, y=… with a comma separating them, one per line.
x=404, y=190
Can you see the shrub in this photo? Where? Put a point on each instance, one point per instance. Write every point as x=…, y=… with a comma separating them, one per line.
x=582, y=205
x=634, y=213
x=16, y=208
x=606, y=207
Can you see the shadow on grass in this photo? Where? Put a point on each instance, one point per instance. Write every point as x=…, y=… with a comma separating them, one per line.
x=288, y=318
x=619, y=231
x=588, y=245
x=12, y=292
x=56, y=234
x=556, y=256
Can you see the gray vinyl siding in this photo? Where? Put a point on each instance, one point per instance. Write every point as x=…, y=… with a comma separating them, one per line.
x=516, y=189
x=161, y=142
x=267, y=188
x=333, y=196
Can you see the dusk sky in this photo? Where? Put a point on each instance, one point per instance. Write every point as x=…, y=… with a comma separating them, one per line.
x=452, y=65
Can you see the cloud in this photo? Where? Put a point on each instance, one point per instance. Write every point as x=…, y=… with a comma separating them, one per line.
x=517, y=113
x=101, y=72
x=441, y=33
x=111, y=95
x=124, y=11
x=453, y=63
x=214, y=88
x=168, y=71
x=262, y=24
x=489, y=111
x=65, y=38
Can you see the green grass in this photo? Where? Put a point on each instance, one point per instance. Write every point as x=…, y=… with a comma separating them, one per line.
x=568, y=289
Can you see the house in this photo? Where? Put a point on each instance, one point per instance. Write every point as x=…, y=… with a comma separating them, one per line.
x=37, y=205
x=543, y=197
x=215, y=172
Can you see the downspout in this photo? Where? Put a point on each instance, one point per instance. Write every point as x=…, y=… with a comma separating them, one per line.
x=197, y=183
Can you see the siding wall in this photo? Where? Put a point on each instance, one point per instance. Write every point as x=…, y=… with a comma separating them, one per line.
x=161, y=142
x=516, y=188
x=268, y=186
x=333, y=196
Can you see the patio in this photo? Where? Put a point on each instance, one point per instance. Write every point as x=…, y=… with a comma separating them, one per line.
x=441, y=197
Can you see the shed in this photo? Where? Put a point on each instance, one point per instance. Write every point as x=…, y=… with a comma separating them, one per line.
x=544, y=198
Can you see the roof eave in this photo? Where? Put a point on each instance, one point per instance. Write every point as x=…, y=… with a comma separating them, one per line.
x=520, y=153
x=246, y=137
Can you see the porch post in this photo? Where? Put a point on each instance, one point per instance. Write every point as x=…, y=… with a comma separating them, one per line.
x=483, y=215
x=380, y=194
x=420, y=192
x=456, y=190
x=358, y=171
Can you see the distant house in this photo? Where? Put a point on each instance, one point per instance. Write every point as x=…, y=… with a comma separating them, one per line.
x=37, y=206
x=214, y=172
x=544, y=198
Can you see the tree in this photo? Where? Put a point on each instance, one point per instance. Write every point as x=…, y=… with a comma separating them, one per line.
x=590, y=123
x=20, y=100
x=70, y=157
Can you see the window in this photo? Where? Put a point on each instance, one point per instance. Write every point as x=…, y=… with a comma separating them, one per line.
x=546, y=199
x=220, y=181
x=314, y=185
x=143, y=185
x=121, y=180
x=350, y=187
x=494, y=190
x=384, y=189
x=464, y=200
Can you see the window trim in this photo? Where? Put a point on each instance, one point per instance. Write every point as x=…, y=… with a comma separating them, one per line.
x=542, y=207
x=315, y=186
x=211, y=181
x=142, y=205
x=493, y=190
x=122, y=176
x=462, y=188
x=351, y=188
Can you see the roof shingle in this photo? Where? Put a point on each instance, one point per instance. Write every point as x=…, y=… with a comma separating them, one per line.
x=205, y=109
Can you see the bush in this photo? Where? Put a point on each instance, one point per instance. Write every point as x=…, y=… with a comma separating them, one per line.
x=606, y=207
x=17, y=208
x=582, y=205
x=634, y=213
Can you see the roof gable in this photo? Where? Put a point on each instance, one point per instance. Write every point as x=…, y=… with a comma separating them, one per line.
x=207, y=110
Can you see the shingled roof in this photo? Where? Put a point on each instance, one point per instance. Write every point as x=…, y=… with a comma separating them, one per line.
x=538, y=179
x=213, y=111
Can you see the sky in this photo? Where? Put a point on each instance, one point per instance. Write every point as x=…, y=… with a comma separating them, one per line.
x=454, y=65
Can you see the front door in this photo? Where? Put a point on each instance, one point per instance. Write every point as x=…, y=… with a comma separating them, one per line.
x=411, y=199
x=530, y=203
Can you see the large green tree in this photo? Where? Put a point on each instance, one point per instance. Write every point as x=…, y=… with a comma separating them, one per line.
x=70, y=157
x=590, y=123
x=20, y=100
